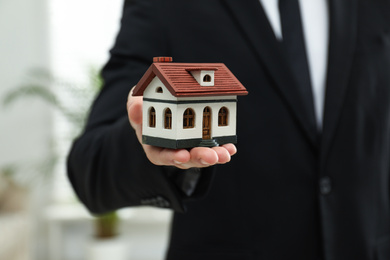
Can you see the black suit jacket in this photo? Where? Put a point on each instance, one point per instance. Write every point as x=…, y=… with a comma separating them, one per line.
x=290, y=192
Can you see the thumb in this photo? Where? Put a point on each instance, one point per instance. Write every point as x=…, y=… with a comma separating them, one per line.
x=134, y=109
x=134, y=112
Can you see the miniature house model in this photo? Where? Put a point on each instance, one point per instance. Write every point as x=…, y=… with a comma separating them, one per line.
x=188, y=104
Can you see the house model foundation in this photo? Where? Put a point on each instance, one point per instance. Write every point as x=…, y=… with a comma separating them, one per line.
x=188, y=104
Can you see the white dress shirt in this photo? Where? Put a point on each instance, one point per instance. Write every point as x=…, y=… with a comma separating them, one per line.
x=315, y=21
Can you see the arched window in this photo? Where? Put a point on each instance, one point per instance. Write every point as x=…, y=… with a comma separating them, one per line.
x=159, y=90
x=223, y=115
x=189, y=118
x=168, y=119
x=207, y=78
x=152, y=117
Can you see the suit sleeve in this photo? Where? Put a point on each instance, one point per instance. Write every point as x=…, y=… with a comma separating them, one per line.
x=106, y=165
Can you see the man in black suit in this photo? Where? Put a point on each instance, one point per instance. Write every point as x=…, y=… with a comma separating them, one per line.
x=310, y=180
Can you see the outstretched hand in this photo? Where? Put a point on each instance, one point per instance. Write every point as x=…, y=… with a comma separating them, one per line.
x=196, y=157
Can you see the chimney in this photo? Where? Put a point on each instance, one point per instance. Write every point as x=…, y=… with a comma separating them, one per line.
x=162, y=59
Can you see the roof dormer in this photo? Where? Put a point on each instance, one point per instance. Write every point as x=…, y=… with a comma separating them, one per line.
x=204, y=76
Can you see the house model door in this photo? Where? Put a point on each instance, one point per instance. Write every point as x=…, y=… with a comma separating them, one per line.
x=206, y=123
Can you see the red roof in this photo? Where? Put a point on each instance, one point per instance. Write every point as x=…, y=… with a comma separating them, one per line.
x=179, y=81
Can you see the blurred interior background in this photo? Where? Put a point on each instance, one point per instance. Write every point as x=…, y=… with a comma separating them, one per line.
x=51, y=52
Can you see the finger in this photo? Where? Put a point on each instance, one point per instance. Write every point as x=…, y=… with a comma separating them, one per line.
x=203, y=157
x=163, y=156
x=223, y=154
x=134, y=110
x=232, y=149
x=135, y=113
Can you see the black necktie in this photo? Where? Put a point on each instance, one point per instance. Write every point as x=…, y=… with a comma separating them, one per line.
x=294, y=46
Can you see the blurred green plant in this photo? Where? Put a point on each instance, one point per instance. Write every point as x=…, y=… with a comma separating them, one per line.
x=43, y=85
x=72, y=101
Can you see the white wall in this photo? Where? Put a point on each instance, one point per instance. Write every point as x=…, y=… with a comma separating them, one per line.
x=25, y=126
x=81, y=34
x=65, y=38
x=159, y=130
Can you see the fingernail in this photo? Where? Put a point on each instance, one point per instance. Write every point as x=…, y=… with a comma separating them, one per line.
x=204, y=162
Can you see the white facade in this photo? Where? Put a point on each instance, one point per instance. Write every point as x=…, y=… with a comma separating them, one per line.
x=161, y=101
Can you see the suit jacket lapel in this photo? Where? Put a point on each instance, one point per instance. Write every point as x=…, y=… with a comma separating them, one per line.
x=255, y=26
x=343, y=21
